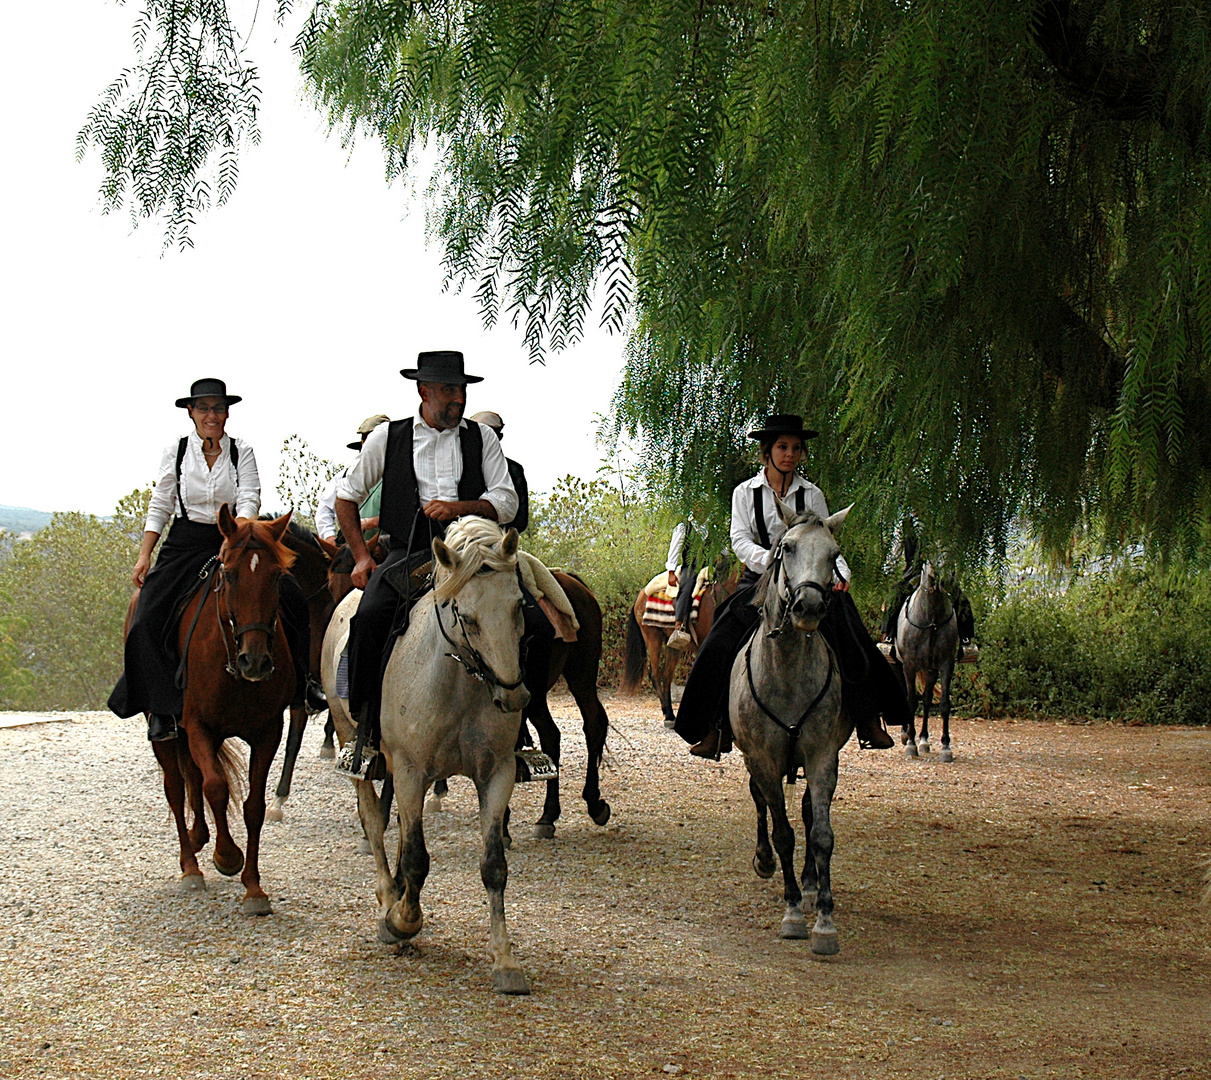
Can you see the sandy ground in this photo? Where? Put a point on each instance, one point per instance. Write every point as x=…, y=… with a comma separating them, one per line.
x=1030, y=911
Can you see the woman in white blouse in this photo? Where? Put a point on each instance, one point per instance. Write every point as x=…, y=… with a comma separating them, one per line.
x=198, y=474
x=756, y=529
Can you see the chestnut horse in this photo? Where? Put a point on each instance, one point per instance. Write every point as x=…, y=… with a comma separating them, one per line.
x=239, y=681
x=647, y=641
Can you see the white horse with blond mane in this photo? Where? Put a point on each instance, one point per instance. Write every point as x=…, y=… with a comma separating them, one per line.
x=452, y=701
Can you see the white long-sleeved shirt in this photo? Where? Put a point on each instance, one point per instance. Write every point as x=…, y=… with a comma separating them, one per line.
x=437, y=459
x=746, y=542
x=204, y=490
x=325, y=510
x=677, y=543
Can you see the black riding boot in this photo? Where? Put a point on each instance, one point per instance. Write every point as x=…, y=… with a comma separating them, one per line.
x=161, y=728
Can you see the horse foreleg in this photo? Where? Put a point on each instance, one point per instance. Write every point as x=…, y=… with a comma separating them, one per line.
x=507, y=975
x=328, y=749
x=926, y=701
x=548, y=738
x=595, y=724
x=294, y=740
x=369, y=811
x=199, y=832
x=174, y=792
x=822, y=786
x=661, y=672
x=810, y=879
x=404, y=918
x=228, y=858
x=910, y=731
x=763, y=857
x=947, y=753
x=256, y=902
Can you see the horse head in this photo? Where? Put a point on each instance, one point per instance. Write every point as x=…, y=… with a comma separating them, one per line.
x=804, y=567
x=475, y=581
x=252, y=560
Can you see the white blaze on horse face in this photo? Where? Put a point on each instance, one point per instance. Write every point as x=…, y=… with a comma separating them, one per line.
x=256, y=558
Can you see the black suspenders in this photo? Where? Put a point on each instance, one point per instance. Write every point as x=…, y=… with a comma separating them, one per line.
x=759, y=513
x=235, y=464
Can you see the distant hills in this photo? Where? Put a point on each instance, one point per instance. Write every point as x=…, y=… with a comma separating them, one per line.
x=21, y=519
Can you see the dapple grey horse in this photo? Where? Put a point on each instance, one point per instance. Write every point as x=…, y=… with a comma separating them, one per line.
x=927, y=640
x=452, y=701
x=785, y=703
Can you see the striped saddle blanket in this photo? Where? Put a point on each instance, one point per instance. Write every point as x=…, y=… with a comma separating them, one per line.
x=658, y=610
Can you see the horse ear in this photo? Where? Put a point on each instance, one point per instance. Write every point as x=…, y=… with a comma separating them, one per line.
x=785, y=512
x=444, y=554
x=508, y=545
x=835, y=521
x=226, y=521
x=328, y=547
x=277, y=527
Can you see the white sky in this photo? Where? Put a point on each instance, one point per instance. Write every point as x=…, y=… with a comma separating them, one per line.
x=315, y=271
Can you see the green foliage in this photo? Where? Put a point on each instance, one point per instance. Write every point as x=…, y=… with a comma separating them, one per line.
x=615, y=542
x=1130, y=643
x=65, y=592
x=302, y=478
x=971, y=239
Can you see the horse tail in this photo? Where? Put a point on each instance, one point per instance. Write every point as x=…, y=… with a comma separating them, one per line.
x=636, y=658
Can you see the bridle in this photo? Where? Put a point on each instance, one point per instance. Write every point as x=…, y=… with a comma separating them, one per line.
x=931, y=626
x=793, y=592
x=471, y=658
x=788, y=601
x=222, y=610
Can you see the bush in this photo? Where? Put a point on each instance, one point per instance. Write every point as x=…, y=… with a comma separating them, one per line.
x=614, y=542
x=1130, y=644
x=65, y=592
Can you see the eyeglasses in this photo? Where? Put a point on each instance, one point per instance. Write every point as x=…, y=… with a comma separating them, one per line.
x=219, y=409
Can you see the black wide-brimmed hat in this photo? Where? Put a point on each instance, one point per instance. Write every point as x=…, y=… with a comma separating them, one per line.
x=208, y=388
x=783, y=424
x=440, y=367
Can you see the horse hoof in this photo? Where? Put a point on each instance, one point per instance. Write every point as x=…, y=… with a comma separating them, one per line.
x=670, y=724
x=364, y=848
x=273, y=812
x=510, y=981
x=764, y=870
x=507, y=841
x=387, y=935
x=602, y=815
x=434, y=805
x=904, y=737
x=256, y=905
x=193, y=883
x=232, y=868
x=923, y=745
x=825, y=943
x=327, y=753
x=544, y=830
x=910, y=751
x=794, y=926
x=946, y=754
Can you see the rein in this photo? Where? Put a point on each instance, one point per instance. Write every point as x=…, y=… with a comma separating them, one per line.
x=474, y=664
x=791, y=729
x=935, y=625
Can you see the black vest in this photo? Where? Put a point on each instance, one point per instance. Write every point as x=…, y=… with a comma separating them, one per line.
x=400, y=500
x=759, y=513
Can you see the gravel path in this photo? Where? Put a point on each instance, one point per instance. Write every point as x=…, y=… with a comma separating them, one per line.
x=1029, y=911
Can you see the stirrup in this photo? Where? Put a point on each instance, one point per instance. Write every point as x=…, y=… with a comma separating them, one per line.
x=371, y=767
x=533, y=765
x=679, y=640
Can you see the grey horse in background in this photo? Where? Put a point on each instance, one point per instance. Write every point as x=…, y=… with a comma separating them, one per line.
x=927, y=641
x=785, y=702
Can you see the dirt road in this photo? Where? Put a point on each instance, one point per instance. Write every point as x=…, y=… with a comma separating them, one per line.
x=1029, y=911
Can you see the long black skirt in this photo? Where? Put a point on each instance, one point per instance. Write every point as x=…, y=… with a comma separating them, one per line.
x=870, y=687
x=148, y=683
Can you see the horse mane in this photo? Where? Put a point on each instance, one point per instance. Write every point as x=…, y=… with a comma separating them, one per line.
x=476, y=540
x=298, y=530
x=256, y=530
x=808, y=517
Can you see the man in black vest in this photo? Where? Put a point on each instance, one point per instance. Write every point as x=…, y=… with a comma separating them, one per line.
x=434, y=467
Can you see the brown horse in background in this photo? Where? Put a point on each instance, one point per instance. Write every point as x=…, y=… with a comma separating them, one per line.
x=239, y=681
x=646, y=642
